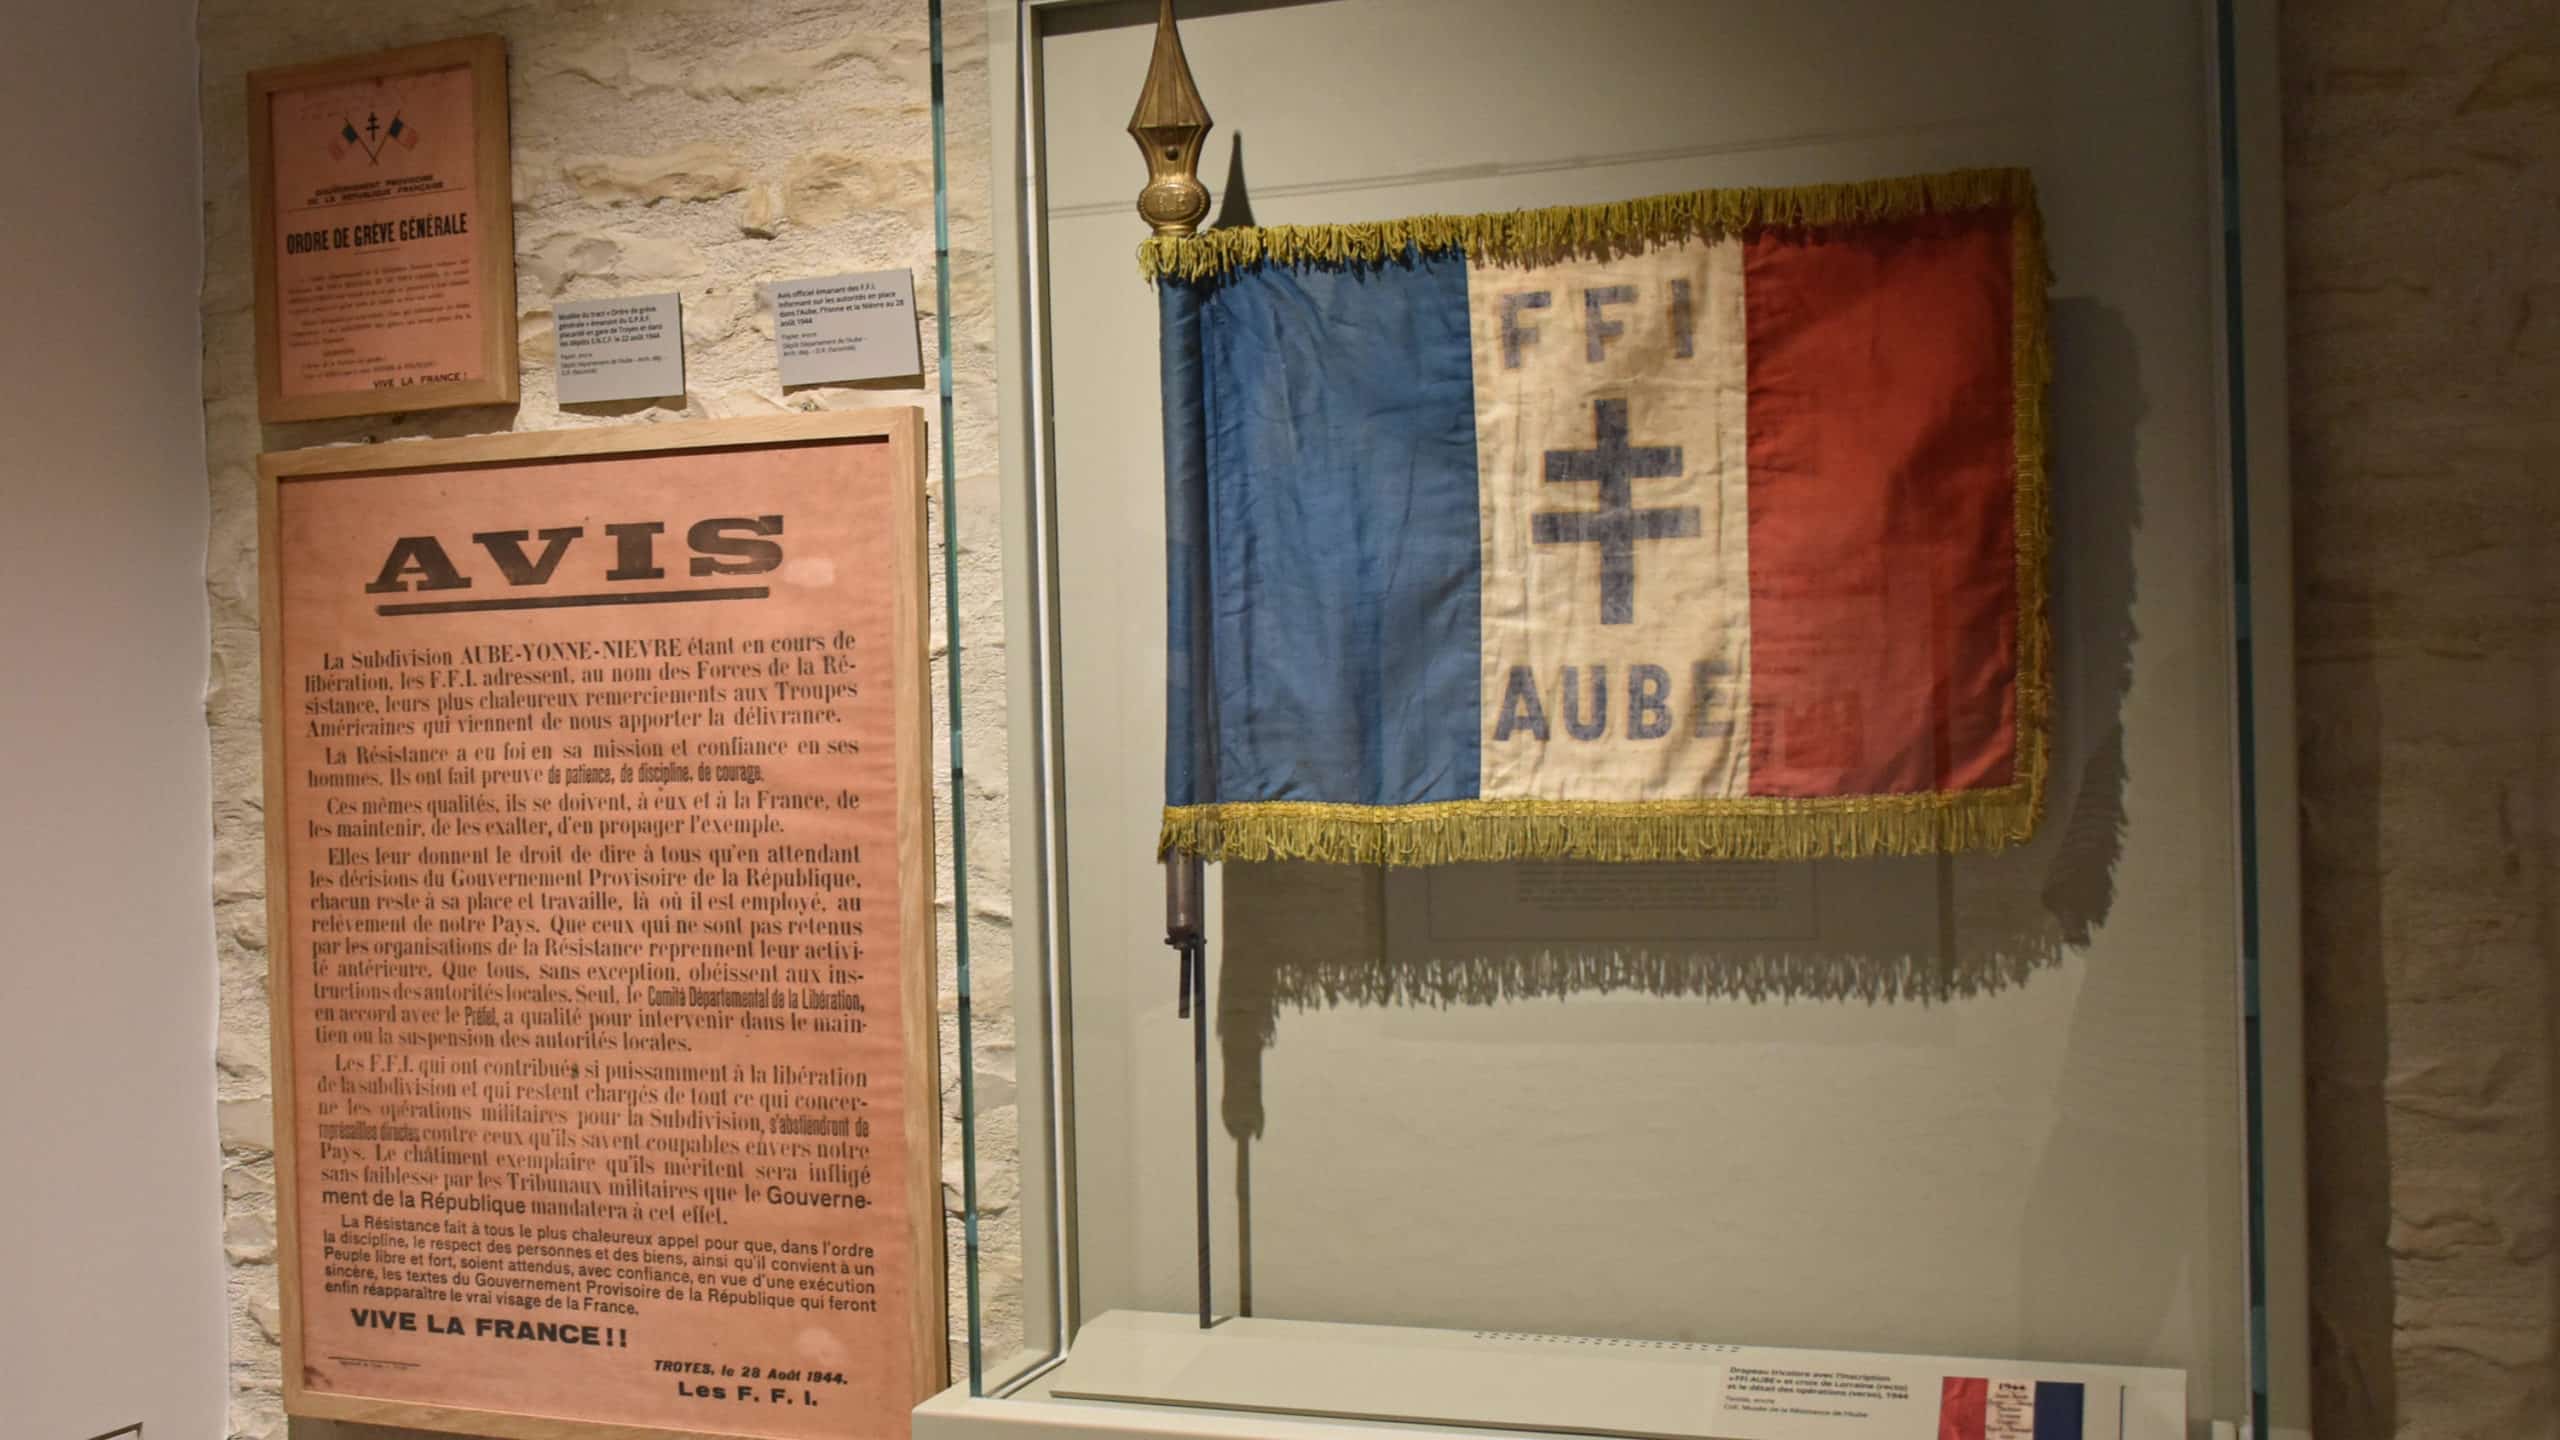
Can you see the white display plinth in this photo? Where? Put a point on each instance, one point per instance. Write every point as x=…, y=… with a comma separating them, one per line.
x=1134, y=1374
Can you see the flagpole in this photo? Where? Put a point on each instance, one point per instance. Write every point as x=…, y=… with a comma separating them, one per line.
x=1169, y=125
x=1186, y=932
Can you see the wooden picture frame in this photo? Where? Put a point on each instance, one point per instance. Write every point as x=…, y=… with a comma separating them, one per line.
x=385, y=279
x=315, y=545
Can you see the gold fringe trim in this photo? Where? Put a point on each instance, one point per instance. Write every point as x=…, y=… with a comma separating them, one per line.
x=1561, y=232
x=2031, y=487
x=1748, y=828
x=1745, y=828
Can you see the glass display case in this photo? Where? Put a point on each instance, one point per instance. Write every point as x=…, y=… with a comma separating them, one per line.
x=1569, y=1145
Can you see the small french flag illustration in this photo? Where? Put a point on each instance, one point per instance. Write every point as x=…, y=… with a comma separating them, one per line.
x=1974, y=1408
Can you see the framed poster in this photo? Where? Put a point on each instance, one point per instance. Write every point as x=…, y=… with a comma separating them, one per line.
x=600, y=929
x=383, y=229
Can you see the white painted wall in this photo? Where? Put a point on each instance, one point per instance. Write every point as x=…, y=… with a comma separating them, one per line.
x=111, y=1305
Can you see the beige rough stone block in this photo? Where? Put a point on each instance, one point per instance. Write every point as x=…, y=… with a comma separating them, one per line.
x=240, y=1054
x=250, y=1239
x=247, y=1127
x=734, y=403
x=762, y=216
x=692, y=172
x=712, y=318
x=550, y=267
x=825, y=187
x=256, y=1417
x=972, y=294
x=536, y=339
x=241, y=924
x=249, y=1182
x=604, y=62
x=2521, y=77
x=646, y=261
x=763, y=73
x=2423, y=447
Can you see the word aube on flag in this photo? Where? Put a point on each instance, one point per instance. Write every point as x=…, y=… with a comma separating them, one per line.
x=1709, y=525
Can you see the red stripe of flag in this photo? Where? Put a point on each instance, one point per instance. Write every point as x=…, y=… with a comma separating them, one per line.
x=1884, y=615
x=1962, y=1403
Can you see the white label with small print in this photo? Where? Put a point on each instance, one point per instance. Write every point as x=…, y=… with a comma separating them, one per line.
x=846, y=327
x=627, y=348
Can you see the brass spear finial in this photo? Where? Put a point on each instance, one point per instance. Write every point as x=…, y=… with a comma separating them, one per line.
x=1169, y=126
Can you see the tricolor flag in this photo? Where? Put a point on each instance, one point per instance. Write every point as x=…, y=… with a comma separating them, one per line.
x=1706, y=525
x=1974, y=1408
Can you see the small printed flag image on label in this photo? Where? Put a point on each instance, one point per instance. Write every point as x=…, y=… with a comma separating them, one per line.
x=1974, y=1408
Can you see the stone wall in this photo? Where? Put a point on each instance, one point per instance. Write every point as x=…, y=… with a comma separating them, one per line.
x=702, y=146
x=2423, y=200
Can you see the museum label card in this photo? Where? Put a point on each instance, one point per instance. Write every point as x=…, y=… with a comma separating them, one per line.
x=629, y=348
x=1669, y=1389
x=600, y=911
x=846, y=327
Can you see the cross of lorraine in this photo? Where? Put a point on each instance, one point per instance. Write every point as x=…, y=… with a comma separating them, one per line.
x=1614, y=466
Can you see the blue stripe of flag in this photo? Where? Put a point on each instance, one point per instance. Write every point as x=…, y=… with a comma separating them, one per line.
x=2059, y=1406
x=1323, y=514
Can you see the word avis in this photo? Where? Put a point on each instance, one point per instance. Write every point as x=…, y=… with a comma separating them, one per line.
x=726, y=545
